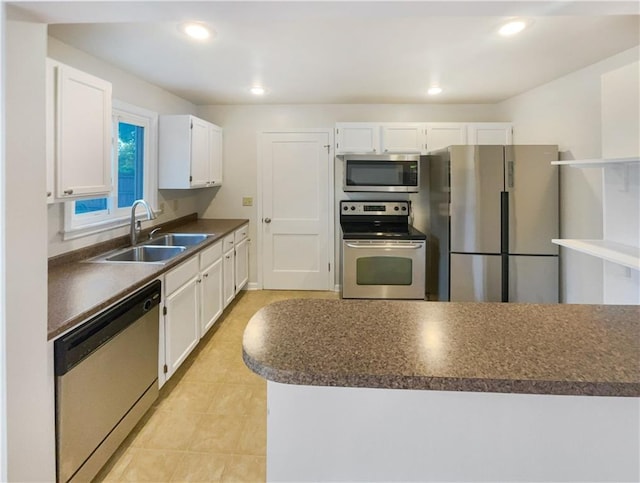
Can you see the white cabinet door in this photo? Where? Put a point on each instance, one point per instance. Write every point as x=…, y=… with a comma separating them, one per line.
x=215, y=167
x=200, y=153
x=228, y=270
x=402, y=138
x=242, y=264
x=82, y=130
x=189, y=153
x=443, y=134
x=355, y=137
x=211, y=295
x=181, y=324
x=490, y=133
x=50, y=127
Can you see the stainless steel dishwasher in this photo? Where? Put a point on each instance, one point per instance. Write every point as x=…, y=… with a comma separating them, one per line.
x=106, y=379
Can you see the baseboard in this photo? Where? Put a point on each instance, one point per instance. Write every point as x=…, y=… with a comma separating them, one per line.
x=337, y=288
x=251, y=286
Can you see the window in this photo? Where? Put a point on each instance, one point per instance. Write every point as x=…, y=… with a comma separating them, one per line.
x=134, y=175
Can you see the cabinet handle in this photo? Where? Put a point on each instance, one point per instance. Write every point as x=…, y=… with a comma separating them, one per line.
x=267, y=220
x=68, y=192
x=374, y=150
x=228, y=256
x=48, y=193
x=386, y=150
x=206, y=275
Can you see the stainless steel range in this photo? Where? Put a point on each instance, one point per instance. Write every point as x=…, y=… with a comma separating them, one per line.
x=383, y=256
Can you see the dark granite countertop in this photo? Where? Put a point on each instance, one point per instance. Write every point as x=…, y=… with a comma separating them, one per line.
x=78, y=290
x=448, y=346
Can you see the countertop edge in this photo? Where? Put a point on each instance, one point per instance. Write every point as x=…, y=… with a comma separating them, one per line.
x=503, y=386
x=160, y=269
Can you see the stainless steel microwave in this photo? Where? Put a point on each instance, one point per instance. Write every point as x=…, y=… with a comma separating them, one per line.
x=389, y=172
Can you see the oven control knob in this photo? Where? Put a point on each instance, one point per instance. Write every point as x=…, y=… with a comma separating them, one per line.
x=345, y=208
x=404, y=208
x=396, y=208
x=353, y=208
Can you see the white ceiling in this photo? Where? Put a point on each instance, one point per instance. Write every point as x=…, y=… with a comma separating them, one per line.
x=345, y=52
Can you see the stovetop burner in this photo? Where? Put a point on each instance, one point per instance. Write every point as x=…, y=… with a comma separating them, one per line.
x=363, y=220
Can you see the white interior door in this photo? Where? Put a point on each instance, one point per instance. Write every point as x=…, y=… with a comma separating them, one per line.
x=295, y=224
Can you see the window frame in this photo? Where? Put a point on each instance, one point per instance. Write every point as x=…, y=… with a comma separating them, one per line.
x=79, y=225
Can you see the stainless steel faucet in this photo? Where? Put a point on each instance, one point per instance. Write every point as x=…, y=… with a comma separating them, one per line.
x=136, y=225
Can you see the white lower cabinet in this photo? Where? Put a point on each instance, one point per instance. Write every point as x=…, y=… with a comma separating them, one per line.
x=229, y=270
x=241, y=265
x=211, y=283
x=195, y=294
x=181, y=314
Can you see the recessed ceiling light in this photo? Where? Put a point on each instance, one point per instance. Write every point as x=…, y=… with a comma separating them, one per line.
x=197, y=31
x=512, y=28
x=434, y=90
x=257, y=90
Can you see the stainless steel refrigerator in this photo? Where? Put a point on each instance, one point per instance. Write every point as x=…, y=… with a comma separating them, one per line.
x=493, y=211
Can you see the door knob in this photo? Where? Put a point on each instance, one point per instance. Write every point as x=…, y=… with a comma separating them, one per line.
x=267, y=220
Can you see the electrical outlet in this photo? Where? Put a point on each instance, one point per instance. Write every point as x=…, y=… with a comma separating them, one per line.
x=175, y=205
x=247, y=201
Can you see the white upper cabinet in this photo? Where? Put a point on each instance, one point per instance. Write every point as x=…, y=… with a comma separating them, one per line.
x=403, y=138
x=379, y=138
x=78, y=134
x=215, y=143
x=190, y=153
x=489, y=133
x=200, y=152
x=443, y=134
x=416, y=137
x=358, y=137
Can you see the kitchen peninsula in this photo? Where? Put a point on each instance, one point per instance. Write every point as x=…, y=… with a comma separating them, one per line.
x=430, y=391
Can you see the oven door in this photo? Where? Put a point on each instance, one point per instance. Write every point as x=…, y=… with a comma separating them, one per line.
x=383, y=269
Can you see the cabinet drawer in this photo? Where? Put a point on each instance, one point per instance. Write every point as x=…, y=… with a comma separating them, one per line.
x=179, y=275
x=241, y=233
x=210, y=255
x=228, y=243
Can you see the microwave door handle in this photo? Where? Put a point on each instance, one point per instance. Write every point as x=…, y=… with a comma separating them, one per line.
x=403, y=247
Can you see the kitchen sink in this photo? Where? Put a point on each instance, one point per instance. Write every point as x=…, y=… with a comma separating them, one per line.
x=145, y=254
x=178, y=239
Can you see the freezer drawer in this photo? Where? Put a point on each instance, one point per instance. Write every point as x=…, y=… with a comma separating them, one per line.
x=475, y=278
x=533, y=279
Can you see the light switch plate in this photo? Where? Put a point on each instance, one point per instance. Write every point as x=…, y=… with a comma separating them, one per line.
x=247, y=201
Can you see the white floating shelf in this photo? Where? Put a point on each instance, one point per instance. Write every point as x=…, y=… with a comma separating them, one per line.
x=596, y=163
x=625, y=255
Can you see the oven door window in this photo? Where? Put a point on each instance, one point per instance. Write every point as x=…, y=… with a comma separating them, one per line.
x=382, y=173
x=384, y=271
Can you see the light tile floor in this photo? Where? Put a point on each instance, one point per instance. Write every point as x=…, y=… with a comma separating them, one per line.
x=210, y=421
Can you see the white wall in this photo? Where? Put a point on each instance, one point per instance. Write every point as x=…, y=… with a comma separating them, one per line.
x=132, y=90
x=242, y=123
x=567, y=112
x=28, y=357
x=3, y=314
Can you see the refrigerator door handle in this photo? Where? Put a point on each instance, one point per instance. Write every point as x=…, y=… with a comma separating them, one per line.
x=504, y=222
x=510, y=168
